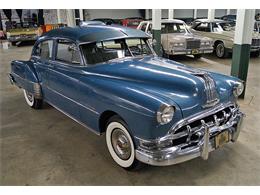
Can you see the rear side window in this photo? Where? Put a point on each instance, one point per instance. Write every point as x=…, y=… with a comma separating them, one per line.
x=68, y=52
x=44, y=50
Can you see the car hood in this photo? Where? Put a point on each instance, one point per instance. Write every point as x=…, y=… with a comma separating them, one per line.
x=173, y=37
x=165, y=80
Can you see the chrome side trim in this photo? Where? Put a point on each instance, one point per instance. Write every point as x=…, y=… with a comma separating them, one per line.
x=72, y=100
x=84, y=125
x=36, y=86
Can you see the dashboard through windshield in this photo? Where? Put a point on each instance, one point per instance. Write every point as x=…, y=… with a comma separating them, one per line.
x=104, y=51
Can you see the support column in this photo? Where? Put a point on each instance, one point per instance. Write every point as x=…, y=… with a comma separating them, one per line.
x=228, y=11
x=59, y=16
x=170, y=14
x=211, y=14
x=81, y=16
x=156, y=21
x=70, y=17
x=242, y=44
x=195, y=14
x=147, y=14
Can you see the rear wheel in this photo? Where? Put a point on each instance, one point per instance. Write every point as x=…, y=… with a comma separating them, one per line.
x=221, y=51
x=120, y=144
x=31, y=100
x=255, y=54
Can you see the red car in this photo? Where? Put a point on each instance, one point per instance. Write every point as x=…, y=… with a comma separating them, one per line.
x=131, y=22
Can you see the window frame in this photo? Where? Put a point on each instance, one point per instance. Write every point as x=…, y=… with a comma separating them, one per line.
x=38, y=56
x=82, y=63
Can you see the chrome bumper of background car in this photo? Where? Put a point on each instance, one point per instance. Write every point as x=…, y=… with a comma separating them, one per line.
x=176, y=154
x=191, y=51
x=23, y=38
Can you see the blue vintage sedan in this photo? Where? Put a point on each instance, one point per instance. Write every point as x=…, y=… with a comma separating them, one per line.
x=152, y=110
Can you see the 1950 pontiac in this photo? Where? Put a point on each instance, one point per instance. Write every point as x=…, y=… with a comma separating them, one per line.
x=152, y=110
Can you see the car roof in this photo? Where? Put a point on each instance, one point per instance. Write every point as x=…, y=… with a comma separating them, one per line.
x=94, y=33
x=208, y=20
x=170, y=21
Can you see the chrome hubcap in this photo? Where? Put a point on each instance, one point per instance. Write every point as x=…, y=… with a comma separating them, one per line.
x=29, y=96
x=220, y=50
x=121, y=144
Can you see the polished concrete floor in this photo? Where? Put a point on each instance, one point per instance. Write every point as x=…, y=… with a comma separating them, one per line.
x=45, y=147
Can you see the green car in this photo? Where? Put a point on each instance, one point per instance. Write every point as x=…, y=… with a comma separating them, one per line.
x=223, y=32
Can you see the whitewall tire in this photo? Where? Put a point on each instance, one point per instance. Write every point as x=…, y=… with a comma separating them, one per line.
x=120, y=144
x=31, y=100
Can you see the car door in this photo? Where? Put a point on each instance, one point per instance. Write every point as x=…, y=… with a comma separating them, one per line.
x=41, y=55
x=63, y=78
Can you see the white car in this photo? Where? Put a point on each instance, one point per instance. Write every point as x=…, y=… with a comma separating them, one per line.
x=176, y=38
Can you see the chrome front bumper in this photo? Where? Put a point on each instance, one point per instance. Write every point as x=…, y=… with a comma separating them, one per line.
x=190, y=51
x=175, y=154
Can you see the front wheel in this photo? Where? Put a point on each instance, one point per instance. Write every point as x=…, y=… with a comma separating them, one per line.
x=221, y=51
x=120, y=144
x=197, y=56
x=31, y=100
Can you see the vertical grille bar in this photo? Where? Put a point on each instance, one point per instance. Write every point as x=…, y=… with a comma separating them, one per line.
x=210, y=90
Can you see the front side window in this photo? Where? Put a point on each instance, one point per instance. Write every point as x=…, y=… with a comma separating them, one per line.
x=44, y=50
x=115, y=49
x=67, y=52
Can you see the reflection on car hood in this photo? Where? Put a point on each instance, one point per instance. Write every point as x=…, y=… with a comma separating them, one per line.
x=164, y=79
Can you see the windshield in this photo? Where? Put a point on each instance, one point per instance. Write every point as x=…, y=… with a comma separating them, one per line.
x=115, y=49
x=224, y=26
x=174, y=28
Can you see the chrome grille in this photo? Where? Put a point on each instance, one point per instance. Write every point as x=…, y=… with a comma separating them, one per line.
x=255, y=42
x=190, y=134
x=193, y=44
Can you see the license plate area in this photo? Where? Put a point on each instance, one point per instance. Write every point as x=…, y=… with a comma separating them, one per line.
x=221, y=139
x=194, y=51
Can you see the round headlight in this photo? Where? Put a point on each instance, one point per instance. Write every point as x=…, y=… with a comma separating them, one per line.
x=165, y=114
x=238, y=89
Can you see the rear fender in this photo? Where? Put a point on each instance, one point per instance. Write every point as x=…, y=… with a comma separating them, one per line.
x=23, y=75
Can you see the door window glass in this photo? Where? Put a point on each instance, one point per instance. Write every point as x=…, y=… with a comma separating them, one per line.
x=44, y=50
x=68, y=52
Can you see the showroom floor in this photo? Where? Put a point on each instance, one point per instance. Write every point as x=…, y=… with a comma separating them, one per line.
x=47, y=148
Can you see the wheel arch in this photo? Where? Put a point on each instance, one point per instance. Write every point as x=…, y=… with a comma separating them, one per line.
x=218, y=41
x=103, y=119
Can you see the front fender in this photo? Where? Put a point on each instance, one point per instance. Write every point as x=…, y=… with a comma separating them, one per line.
x=137, y=107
